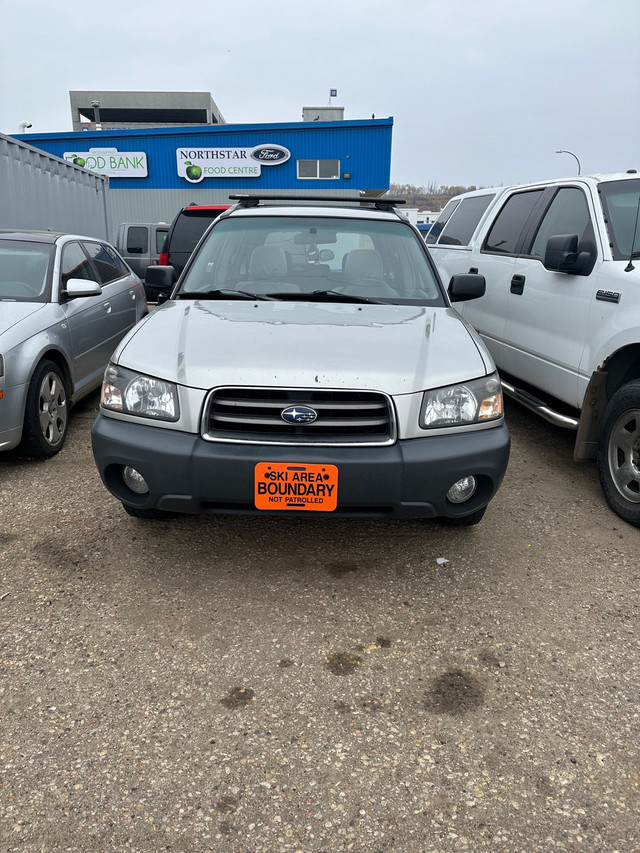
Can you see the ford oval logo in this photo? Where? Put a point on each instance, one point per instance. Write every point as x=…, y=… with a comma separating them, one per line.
x=270, y=154
x=298, y=415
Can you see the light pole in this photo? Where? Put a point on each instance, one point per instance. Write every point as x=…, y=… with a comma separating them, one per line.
x=573, y=155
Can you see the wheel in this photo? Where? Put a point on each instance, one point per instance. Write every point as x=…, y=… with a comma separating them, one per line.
x=46, y=416
x=464, y=520
x=619, y=453
x=140, y=512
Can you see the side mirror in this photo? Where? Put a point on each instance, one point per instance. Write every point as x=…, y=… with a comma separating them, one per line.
x=81, y=287
x=466, y=285
x=561, y=255
x=161, y=277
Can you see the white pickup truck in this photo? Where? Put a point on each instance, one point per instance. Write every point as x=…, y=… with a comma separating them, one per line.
x=561, y=312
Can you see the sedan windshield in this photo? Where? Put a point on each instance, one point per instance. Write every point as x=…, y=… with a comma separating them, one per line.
x=311, y=258
x=621, y=203
x=24, y=271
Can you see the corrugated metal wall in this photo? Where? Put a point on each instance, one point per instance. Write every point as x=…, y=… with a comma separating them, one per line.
x=41, y=192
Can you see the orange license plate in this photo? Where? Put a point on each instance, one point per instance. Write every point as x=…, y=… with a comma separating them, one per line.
x=289, y=486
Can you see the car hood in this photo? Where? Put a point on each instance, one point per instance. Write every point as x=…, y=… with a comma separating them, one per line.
x=391, y=348
x=13, y=313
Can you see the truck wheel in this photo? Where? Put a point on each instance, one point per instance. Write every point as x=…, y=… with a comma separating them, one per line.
x=619, y=453
x=46, y=415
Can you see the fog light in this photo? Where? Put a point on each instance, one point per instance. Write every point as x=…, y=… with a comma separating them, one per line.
x=462, y=490
x=134, y=480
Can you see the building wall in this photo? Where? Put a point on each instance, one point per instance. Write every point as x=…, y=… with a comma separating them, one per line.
x=148, y=176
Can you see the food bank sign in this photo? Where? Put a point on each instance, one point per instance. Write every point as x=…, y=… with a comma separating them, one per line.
x=195, y=164
x=111, y=162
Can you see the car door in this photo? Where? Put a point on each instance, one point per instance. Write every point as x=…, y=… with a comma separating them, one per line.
x=497, y=263
x=88, y=318
x=548, y=311
x=117, y=287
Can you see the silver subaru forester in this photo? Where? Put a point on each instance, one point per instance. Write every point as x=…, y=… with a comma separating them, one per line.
x=307, y=361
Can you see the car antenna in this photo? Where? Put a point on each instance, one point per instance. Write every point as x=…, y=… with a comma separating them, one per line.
x=630, y=265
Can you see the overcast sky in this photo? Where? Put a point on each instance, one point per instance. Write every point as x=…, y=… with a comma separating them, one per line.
x=481, y=92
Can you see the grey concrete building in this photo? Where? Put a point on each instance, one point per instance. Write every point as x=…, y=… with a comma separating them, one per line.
x=92, y=110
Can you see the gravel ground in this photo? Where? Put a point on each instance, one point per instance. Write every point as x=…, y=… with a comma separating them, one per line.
x=265, y=684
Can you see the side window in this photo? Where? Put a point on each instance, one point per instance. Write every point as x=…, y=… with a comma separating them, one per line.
x=567, y=214
x=458, y=231
x=436, y=228
x=506, y=230
x=107, y=262
x=75, y=264
x=161, y=236
x=137, y=240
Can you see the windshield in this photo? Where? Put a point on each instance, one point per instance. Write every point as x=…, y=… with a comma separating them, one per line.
x=307, y=257
x=24, y=271
x=621, y=203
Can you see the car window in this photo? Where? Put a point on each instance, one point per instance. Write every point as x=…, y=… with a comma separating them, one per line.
x=621, y=204
x=568, y=213
x=505, y=233
x=137, y=240
x=75, y=264
x=442, y=220
x=188, y=230
x=458, y=231
x=109, y=265
x=375, y=259
x=161, y=236
x=24, y=271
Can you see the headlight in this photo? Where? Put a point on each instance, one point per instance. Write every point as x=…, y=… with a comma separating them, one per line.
x=136, y=394
x=458, y=405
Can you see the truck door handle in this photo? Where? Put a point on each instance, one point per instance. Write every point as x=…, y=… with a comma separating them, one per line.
x=517, y=284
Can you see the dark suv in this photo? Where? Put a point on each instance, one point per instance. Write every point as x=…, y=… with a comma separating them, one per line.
x=185, y=232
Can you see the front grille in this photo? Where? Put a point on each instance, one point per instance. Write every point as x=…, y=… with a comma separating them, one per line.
x=253, y=415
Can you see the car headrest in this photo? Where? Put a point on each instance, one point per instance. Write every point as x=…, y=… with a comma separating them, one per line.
x=268, y=262
x=363, y=263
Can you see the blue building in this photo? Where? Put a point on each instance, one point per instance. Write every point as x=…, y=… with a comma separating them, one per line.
x=153, y=172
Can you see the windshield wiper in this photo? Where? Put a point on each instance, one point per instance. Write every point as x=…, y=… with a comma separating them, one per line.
x=347, y=297
x=223, y=294
x=326, y=296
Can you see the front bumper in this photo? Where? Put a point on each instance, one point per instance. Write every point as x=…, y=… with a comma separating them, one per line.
x=409, y=479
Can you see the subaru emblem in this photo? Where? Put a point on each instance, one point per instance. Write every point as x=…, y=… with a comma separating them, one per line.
x=298, y=415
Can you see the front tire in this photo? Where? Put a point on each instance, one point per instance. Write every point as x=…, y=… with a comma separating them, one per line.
x=46, y=417
x=619, y=453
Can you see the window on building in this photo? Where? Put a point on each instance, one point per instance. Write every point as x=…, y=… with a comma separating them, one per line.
x=319, y=169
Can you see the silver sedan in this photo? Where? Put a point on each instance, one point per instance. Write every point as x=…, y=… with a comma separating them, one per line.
x=65, y=303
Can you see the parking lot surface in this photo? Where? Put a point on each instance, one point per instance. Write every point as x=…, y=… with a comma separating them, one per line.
x=271, y=684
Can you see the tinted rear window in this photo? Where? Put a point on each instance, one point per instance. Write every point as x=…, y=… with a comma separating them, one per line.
x=189, y=228
x=458, y=231
x=506, y=230
x=442, y=220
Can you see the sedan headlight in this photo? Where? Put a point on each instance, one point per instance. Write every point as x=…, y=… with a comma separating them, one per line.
x=459, y=405
x=134, y=393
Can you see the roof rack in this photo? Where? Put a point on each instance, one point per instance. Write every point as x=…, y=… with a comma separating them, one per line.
x=254, y=200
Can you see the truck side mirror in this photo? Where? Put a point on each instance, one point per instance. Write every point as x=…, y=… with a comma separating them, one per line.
x=465, y=286
x=562, y=255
